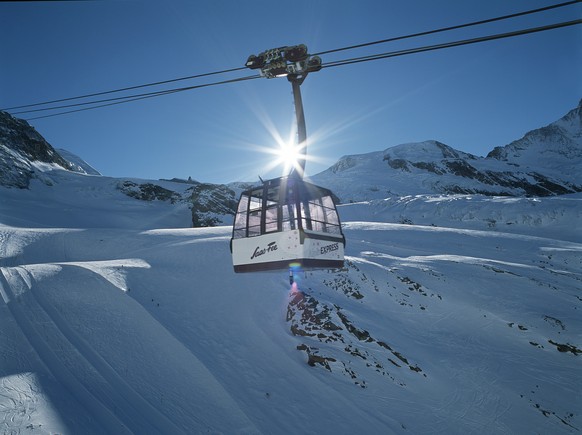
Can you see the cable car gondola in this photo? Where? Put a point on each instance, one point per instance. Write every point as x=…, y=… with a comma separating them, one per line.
x=287, y=221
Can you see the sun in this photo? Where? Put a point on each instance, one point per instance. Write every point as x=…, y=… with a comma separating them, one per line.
x=282, y=151
x=291, y=156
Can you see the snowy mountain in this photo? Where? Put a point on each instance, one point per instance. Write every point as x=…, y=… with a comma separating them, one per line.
x=555, y=149
x=453, y=314
x=23, y=151
x=547, y=161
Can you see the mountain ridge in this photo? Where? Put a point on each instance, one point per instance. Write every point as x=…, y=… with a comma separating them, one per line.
x=545, y=162
x=559, y=143
x=25, y=154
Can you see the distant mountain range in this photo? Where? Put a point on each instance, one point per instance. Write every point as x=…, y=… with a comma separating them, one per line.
x=545, y=162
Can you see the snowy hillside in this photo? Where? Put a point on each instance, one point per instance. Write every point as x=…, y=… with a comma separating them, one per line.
x=118, y=318
x=551, y=216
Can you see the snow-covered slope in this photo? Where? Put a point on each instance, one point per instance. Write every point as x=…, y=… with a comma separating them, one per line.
x=112, y=322
x=549, y=216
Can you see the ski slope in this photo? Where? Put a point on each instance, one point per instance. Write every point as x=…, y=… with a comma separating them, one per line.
x=116, y=318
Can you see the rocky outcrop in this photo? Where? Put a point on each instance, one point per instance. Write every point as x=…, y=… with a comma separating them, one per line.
x=210, y=202
x=21, y=146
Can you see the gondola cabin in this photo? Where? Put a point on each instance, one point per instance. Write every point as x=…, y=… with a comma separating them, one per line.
x=283, y=222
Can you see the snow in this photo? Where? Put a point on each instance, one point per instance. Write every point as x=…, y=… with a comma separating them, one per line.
x=550, y=216
x=454, y=314
x=427, y=151
x=77, y=163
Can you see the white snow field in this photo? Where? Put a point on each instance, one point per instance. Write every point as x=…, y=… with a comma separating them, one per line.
x=117, y=318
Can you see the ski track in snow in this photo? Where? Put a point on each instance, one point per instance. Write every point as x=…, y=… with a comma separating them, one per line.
x=60, y=356
x=17, y=402
x=80, y=369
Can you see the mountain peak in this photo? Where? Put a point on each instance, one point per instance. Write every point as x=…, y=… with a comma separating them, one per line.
x=555, y=148
x=427, y=151
x=24, y=153
x=21, y=137
x=77, y=164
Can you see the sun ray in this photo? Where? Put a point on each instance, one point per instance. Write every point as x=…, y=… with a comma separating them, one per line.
x=277, y=152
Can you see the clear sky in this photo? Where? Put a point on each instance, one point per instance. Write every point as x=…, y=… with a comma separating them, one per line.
x=472, y=98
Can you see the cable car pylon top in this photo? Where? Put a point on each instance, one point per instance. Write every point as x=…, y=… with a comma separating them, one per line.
x=294, y=63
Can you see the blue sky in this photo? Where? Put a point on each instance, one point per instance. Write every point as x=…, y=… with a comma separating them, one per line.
x=472, y=98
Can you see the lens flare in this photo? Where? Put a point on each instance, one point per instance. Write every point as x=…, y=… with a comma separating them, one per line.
x=295, y=277
x=289, y=155
x=296, y=266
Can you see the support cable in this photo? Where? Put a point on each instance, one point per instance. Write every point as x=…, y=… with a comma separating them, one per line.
x=130, y=98
x=135, y=97
x=138, y=97
x=446, y=29
x=429, y=32
x=129, y=88
x=450, y=44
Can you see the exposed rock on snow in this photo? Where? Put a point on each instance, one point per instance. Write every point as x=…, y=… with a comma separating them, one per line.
x=212, y=204
x=148, y=191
